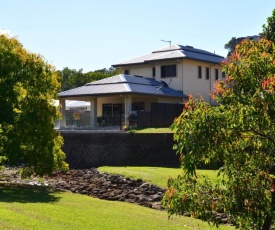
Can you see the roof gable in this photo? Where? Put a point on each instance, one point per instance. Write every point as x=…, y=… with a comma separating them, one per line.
x=175, y=52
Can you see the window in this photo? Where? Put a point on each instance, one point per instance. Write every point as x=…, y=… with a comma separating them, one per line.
x=117, y=109
x=223, y=74
x=107, y=110
x=168, y=71
x=154, y=72
x=111, y=114
x=207, y=74
x=216, y=74
x=199, y=72
x=110, y=110
x=126, y=71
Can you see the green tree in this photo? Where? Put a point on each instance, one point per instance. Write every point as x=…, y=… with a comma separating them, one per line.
x=230, y=46
x=28, y=85
x=241, y=134
x=65, y=75
x=71, y=78
x=269, y=29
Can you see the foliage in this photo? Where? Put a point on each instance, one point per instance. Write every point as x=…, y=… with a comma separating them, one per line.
x=35, y=208
x=269, y=29
x=240, y=133
x=71, y=78
x=230, y=46
x=28, y=85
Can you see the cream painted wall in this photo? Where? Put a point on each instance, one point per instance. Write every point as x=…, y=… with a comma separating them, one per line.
x=187, y=76
x=196, y=86
x=146, y=100
x=141, y=70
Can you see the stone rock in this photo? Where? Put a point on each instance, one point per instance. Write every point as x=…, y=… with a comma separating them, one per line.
x=156, y=205
x=156, y=197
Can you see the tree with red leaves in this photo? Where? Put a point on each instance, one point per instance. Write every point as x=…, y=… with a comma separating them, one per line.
x=240, y=132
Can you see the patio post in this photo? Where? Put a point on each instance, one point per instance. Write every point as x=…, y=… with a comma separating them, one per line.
x=62, y=104
x=128, y=108
x=93, y=114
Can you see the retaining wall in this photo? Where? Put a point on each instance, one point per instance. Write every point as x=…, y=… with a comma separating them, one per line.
x=91, y=149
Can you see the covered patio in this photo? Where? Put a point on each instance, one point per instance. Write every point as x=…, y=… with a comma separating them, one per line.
x=112, y=101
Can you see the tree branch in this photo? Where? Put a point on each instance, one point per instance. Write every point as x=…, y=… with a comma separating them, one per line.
x=263, y=135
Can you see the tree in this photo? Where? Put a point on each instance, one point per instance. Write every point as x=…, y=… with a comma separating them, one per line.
x=230, y=46
x=240, y=132
x=269, y=29
x=65, y=75
x=72, y=78
x=28, y=86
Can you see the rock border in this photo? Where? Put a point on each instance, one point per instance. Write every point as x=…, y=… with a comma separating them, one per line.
x=94, y=183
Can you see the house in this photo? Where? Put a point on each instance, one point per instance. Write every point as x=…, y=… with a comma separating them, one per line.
x=183, y=68
x=116, y=98
x=152, y=84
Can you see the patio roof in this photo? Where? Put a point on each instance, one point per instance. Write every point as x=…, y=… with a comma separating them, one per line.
x=174, y=52
x=123, y=84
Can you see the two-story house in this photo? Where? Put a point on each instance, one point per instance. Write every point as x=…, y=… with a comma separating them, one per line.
x=183, y=68
x=149, y=84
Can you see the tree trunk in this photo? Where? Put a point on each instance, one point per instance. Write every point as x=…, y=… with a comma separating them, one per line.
x=268, y=219
x=267, y=223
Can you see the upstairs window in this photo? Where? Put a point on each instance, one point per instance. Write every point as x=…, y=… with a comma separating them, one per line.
x=207, y=73
x=223, y=74
x=216, y=74
x=199, y=72
x=127, y=72
x=168, y=71
x=154, y=72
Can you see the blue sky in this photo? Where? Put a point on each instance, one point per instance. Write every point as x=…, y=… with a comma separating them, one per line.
x=91, y=34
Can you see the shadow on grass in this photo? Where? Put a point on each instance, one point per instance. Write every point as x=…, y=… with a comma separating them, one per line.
x=26, y=194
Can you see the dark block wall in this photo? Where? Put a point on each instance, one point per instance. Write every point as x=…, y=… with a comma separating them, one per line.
x=90, y=149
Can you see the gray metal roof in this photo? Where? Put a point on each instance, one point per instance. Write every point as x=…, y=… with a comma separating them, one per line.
x=175, y=52
x=121, y=84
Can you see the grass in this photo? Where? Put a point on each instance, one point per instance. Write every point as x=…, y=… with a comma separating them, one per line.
x=36, y=208
x=151, y=130
x=155, y=175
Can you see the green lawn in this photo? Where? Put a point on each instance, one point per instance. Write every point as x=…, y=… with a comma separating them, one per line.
x=155, y=175
x=151, y=130
x=39, y=209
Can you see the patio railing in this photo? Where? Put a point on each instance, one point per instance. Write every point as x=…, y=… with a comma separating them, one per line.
x=83, y=121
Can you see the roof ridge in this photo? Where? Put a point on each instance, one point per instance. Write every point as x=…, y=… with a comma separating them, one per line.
x=122, y=77
x=122, y=82
x=125, y=80
x=185, y=47
x=200, y=51
x=166, y=49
